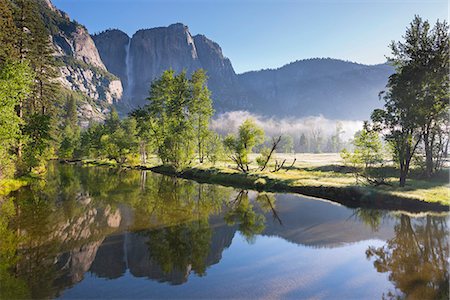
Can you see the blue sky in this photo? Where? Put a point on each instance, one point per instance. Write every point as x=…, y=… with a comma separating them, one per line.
x=269, y=33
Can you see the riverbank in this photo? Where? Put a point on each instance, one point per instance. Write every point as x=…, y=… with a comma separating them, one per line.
x=350, y=196
x=331, y=182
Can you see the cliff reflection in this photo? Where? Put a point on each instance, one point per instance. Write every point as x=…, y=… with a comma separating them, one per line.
x=111, y=223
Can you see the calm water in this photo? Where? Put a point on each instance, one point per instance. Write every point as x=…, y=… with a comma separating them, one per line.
x=101, y=233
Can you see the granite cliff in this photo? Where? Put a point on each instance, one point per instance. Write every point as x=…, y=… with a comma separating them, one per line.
x=81, y=69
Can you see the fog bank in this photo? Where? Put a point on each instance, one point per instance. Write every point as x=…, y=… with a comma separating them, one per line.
x=230, y=121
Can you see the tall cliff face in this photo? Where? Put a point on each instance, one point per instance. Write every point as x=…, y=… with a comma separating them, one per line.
x=113, y=46
x=81, y=68
x=140, y=60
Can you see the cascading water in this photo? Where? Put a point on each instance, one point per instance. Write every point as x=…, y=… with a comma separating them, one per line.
x=129, y=71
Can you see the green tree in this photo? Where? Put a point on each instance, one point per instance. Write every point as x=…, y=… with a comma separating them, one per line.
x=8, y=33
x=201, y=111
x=417, y=93
x=287, y=143
x=176, y=120
x=368, y=152
x=144, y=133
x=172, y=129
x=214, y=148
x=70, y=129
x=240, y=146
x=15, y=85
x=425, y=54
x=34, y=45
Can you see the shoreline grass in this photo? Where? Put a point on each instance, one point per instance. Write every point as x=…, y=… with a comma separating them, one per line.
x=312, y=175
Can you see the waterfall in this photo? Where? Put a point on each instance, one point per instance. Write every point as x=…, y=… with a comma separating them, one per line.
x=129, y=71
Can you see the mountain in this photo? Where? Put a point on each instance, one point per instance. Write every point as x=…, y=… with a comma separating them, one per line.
x=334, y=88
x=139, y=60
x=113, y=68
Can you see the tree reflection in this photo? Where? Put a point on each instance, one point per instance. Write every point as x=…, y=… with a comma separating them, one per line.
x=241, y=211
x=370, y=217
x=11, y=287
x=181, y=248
x=267, y=203
x=416, y=258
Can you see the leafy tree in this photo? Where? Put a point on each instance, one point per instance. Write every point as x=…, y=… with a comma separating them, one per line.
x=417, y=93
x=249, y=135
x=214, y=148
x=34, y=45
x=288, y=143
x=172, y=129
x=368, y=152
x=176, y=120
x=201, y=111
x=15, y=85
x=122, y=144
x=425, y=53
x=37, y=141
x=70, y=130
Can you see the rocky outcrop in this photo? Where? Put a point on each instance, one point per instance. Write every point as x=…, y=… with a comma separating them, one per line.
x=84, y=48
x=81, y=68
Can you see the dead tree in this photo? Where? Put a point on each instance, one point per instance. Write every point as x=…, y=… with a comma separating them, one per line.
x=278, y=167
x=275, y=143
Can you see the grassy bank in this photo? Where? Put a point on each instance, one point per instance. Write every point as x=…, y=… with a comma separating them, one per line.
x=318, y=175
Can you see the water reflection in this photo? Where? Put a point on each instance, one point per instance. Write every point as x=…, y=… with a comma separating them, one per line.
x=416, y=258
x=111, y=224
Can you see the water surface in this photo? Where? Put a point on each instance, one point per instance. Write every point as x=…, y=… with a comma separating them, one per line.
x=92, y=232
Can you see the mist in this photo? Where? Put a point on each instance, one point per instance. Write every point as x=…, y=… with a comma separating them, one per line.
x=229, y=122
x=318, y=130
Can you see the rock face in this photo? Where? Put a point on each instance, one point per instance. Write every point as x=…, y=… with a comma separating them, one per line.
x=82, y=69
x=113, y=46
x=143, y=58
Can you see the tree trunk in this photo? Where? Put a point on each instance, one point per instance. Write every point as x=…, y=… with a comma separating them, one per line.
x=402, y=178
x=404, y=169
x=428, y=155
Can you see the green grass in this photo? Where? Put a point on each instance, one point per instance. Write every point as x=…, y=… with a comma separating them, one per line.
x=320, y=175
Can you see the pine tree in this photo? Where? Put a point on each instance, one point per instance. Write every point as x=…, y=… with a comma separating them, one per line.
x=8, y=33
x=39, y=110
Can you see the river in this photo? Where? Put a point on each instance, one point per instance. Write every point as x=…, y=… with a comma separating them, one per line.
x=94, y=232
